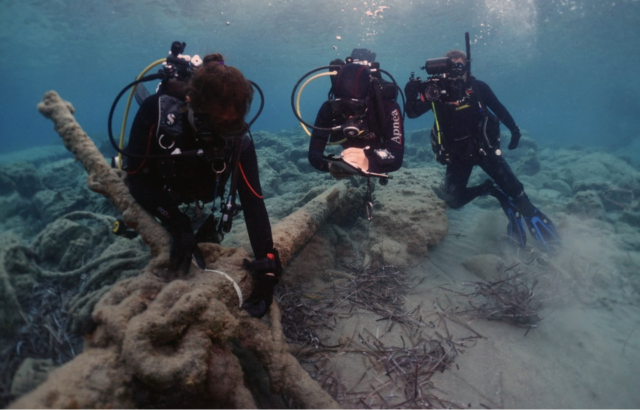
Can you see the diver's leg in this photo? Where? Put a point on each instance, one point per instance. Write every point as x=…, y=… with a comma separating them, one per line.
x=457, y=194
x=517, y=204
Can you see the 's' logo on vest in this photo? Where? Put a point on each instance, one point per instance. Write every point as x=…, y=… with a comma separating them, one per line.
x=171, y=118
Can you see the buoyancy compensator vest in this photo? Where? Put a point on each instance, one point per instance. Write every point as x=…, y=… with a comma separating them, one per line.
x=356, y=94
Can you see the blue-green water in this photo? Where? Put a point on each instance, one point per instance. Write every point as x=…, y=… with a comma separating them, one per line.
x=565, y=69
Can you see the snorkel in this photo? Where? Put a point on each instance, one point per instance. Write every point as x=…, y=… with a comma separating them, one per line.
x=468, y=45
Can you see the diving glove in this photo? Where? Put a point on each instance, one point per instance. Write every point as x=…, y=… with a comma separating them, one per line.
x=183, y=246
x=266, y=275
x=515, y=138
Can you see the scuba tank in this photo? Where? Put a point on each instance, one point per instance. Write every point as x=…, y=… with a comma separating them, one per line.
x=175, y=67
x=366, y=76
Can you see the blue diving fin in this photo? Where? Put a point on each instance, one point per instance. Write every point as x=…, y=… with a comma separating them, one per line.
x=516, y=229
x=542, y=229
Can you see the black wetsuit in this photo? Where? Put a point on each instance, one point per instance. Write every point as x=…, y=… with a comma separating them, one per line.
x=459, y=124
x=390, y=138
x=161, y=184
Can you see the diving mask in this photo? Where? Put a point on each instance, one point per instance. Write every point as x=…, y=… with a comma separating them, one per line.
x=457, y=70
x=348, y=107
x=207, y=131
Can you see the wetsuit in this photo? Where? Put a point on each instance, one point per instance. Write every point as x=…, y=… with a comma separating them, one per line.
x=161, y=184
x=459, y=124
x=391, y=138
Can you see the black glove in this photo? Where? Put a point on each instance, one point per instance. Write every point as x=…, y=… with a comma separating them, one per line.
x=266, y=273
x=183, y=245
x=412, y=90
x=515, y=138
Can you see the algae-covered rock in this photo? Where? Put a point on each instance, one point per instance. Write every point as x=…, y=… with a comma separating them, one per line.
x=631, y=217
x=408, y=212
x=53, y=204
x=7, y=186
x=25, y=178
x=10, y=317
x=62, y=174
x=31, y=373
x=486, y=267
x=586, y=204
x=529, y=165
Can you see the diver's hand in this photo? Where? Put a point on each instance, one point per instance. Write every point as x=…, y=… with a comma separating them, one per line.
x=412, y=90
x=183, y=246
x=515, y=138
x=356, y=158
x=266, y=273
x=261, y=296
x=339, y=173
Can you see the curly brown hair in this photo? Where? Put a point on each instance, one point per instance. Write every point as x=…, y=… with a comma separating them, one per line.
x=220, y=90
x=456, y=54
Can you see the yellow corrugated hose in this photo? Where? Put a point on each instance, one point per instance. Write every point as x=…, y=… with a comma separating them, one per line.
x=126, y=111
x=298, y=102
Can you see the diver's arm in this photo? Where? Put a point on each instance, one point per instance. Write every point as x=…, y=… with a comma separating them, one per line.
x=319, y=139
x=415, y=105
x=251, y=198
x=393, y=141
x=416, y=108
x=142, y=134
x=495, y=105
x=265, y=267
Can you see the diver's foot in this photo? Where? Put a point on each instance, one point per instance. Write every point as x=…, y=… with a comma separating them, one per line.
x=543, y=230
x=516, y=229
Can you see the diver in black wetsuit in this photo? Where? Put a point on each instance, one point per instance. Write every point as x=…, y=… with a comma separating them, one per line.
x=197, y=133
x=466, y=134
x=366, y=119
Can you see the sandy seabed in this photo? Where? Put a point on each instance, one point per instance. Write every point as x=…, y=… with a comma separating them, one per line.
x=583, y=353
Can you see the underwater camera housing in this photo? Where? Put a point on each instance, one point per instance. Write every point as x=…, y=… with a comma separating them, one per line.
x=445, y=80
x=178, y=65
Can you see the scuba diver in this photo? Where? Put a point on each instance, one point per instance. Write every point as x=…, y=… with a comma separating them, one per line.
x=186, y=142
x=363, y=116
x=465, y=134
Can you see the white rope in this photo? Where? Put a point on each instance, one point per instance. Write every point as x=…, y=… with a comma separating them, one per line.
x=235, y=285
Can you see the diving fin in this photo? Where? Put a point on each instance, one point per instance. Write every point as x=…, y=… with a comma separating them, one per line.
x=516, y=229
x=542, y=229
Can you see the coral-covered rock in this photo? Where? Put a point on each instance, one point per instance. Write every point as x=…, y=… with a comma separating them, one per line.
x=62, y=174
x=586, y=204
x=408, y=212
x=7, y=186
x=10, y=317
x=25, y=177
x=54, y=204
x=529, y=165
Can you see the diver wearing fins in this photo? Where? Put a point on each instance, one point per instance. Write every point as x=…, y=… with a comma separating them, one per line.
x=465, y=134
x=186, y=142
